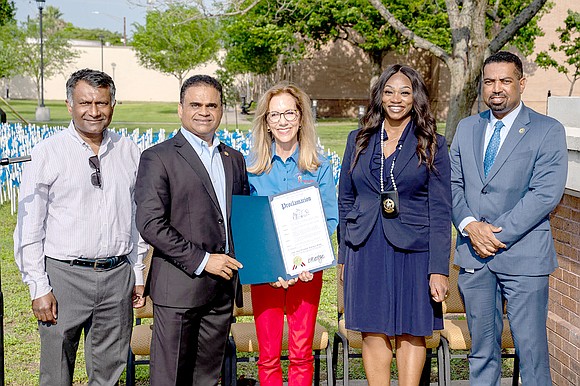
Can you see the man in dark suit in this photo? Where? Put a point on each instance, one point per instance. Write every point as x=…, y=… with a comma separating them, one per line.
x=183, y=193
x=508, y=172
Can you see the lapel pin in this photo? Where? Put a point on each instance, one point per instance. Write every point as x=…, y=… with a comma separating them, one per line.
x=522, y=130
x=226, y=154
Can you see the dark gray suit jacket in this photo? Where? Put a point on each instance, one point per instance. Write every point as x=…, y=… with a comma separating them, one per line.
x=179, y=215
x=524, y=185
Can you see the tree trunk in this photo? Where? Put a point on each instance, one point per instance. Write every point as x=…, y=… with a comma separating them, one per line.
x=376, y=58
x=432, y=82
x=462, y=95
x=179, y=77
x=572, y=83
x=470, y=45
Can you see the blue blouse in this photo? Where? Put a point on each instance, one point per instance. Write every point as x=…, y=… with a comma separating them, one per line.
x=285, y=176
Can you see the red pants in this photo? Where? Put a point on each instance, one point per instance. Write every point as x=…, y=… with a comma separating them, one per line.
x=301, y=304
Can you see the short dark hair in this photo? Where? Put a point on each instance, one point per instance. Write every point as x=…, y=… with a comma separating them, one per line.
x=201, y=79
x=506, y=57
x=93, y=77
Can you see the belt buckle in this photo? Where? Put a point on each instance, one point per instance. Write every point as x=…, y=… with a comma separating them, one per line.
x=99, y=260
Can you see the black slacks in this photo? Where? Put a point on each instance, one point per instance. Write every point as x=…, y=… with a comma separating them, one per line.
x=188, y=344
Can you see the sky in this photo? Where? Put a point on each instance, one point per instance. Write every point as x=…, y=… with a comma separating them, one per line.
x=107, y=14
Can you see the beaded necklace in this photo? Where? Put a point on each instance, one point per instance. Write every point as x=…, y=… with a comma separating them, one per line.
x=383, y=161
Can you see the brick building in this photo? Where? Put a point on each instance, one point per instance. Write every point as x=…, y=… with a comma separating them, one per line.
x=564, y=305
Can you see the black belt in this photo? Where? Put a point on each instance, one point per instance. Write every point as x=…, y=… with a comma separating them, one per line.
x=100, y=263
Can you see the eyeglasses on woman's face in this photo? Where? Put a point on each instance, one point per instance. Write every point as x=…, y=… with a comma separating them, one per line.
x=275, y=116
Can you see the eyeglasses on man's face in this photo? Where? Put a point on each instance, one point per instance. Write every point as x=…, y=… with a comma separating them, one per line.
x=96, y=176
x=275, y=116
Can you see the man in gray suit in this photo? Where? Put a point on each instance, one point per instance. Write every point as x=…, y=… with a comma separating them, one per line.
x=508, y=172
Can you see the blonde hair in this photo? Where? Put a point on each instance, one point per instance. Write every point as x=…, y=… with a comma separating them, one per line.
x=261, y=155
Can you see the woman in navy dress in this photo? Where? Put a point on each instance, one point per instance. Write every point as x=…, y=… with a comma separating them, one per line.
x=395, y=226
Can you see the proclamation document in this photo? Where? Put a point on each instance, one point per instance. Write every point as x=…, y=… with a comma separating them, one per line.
x=280, y=235
x=301, y=228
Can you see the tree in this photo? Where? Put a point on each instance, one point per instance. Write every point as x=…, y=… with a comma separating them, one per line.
x=257, y=44
x=275, y=33
x=8, y=29
x=459, y=32
x=169, y=44
x=7, y=12
x=278, y=32
x=361, y=25
x=478, y=28
x=208, y=8
x=570, y=39
x=72, y=32
x=58, y=52
x=10, y=36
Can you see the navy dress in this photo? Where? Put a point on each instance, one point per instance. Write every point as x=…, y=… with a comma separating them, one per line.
x=386, y=288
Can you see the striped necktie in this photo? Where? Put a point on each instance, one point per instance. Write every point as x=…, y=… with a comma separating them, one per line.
x=492, y=148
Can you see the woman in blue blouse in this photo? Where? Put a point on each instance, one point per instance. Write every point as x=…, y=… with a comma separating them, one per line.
x=285, y=157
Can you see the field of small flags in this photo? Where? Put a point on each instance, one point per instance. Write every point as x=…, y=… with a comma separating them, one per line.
x=17, y=140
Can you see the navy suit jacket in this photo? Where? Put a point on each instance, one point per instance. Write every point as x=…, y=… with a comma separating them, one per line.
x=424, y=221
x=524, y=185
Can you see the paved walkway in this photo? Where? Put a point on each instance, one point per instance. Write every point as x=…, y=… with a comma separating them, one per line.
x=363, y=382
x=358, y=382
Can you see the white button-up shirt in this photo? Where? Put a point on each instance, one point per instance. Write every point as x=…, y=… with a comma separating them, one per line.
x=212, y=161
x=62, y=215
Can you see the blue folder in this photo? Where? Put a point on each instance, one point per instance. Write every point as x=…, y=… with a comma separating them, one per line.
x=256, y=241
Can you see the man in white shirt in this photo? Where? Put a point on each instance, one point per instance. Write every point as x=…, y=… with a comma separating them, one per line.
x=76, y=243
x=508, y=172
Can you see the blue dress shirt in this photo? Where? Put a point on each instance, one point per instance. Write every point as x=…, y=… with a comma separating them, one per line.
x=285, y=176
x=212, y=161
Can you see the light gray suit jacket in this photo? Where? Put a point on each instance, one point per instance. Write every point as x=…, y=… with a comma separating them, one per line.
x=524, y=185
